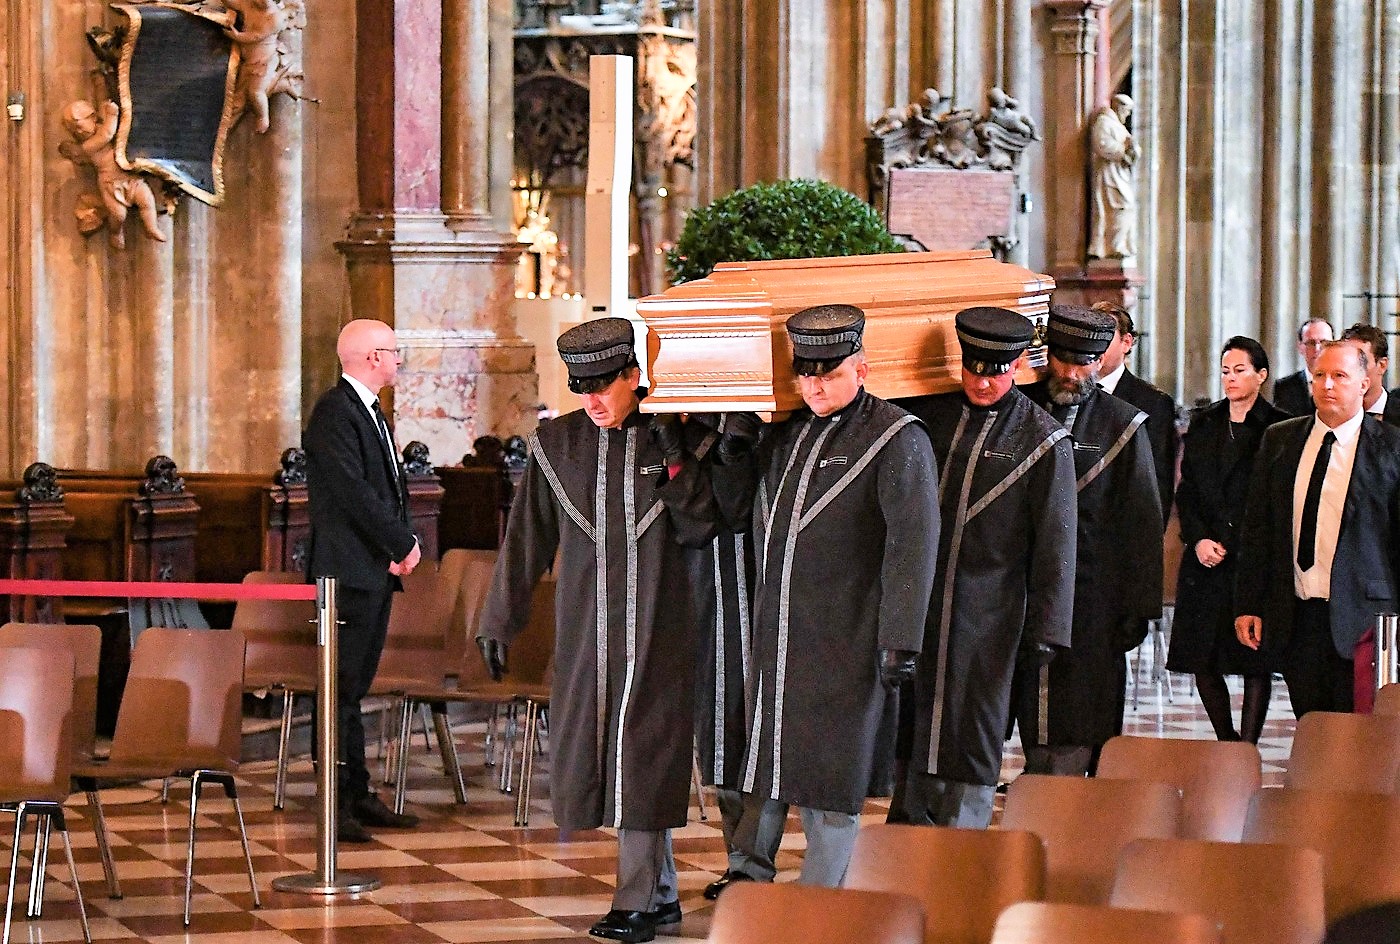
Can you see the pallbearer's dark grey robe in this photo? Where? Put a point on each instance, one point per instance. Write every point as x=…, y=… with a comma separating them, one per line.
x=845, y=527
x=1118, y=568
x=721, y=576
x=1005, y=573
x=620, y=710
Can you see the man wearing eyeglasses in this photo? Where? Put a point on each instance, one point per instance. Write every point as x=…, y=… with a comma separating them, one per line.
x=360, y=535
x=1293, y=394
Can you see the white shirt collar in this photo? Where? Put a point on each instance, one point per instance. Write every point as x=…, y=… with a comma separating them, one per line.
x=1379, y=406
x=1345, y=433
x=367, y=396
x=1110, y=382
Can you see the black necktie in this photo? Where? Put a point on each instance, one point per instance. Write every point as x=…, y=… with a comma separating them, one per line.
x=387, y=440
x=1307, y=531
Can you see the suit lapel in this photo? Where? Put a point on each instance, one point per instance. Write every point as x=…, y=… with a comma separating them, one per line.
x=1363, y=470
x=363, y=419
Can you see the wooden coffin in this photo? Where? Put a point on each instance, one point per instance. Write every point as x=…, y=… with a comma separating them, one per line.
x=719, y=343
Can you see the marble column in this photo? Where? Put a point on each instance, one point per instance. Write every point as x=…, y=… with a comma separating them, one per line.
x=422, y=252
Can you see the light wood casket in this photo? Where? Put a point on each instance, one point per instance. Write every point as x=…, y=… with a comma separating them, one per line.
x=719, y=343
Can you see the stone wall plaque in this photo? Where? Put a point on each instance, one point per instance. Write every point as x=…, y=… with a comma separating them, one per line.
x=942, y=208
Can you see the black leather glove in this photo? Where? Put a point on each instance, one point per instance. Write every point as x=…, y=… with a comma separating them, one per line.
x=666, y=433
x=897, y=666
x=1044, y=654
x=493, y=653
x=740, y=434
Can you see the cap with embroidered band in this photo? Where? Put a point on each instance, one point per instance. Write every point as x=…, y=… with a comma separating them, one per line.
x=1079, y=334
x=823, y=335
x=992, y=338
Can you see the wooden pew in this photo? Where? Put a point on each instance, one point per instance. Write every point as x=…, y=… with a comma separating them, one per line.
x=33, y=527
x=477, y=494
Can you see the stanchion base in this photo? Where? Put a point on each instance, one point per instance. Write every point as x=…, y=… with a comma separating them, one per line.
x=309, y=883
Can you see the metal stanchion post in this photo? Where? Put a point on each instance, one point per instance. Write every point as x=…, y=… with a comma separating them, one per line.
x=326, y=880
x=1387, y=649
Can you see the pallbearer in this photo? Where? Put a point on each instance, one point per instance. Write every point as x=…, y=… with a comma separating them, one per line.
x=1118, y=560
x=845, y=522
x=1005, y=568
x=616, y=500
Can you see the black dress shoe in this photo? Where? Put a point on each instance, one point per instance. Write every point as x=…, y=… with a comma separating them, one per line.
x=349, y=829
x=630, y=926
x=371, y=811
x=669, y=913
x=713, y=890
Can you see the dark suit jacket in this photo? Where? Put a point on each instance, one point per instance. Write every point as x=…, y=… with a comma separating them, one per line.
x=1161, y=430
x=1391, y=417
x=1366, y=567
x=1293, y=394
x=359, y=511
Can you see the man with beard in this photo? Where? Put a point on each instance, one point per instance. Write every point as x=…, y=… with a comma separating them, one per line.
x=1008, y=512
x=844, y=503
x=616, y=505
x=1118, y=559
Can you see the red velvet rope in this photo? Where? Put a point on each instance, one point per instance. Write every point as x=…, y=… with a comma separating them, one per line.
x=152, y=589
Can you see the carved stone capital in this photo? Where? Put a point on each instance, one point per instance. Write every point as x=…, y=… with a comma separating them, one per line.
x=1075, y=26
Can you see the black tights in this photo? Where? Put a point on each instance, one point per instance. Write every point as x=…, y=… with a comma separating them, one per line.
x=1216, y=699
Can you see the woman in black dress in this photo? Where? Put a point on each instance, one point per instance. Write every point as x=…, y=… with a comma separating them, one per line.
x=1215, y=467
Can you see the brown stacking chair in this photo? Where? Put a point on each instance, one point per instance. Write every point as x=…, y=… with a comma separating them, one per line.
x=1034, y=922
x=282, y=657
x=84, y=644
x=181, y=716
x=1216, y=778
x=1336, y=751
x=36, y=704
x=1357, y=835
x=1260, y=894
x=963, y=878
x=1085, y=823
x=1388, y=700
x=762, y=913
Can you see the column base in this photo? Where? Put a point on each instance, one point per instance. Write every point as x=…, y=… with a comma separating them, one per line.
x=1102, y=280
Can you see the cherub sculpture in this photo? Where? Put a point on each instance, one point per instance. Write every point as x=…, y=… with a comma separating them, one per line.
x=1006, y=131
x=118, y=189
x=265, y=64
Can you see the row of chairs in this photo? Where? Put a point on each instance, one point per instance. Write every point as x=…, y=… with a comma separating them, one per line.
x=180, y=718
x=428, y=661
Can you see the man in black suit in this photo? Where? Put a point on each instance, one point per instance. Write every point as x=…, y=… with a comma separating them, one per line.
x=1293, y=394
x=360, y=535
x=1378, y=402
x=1157, y=404
x=1320, y=547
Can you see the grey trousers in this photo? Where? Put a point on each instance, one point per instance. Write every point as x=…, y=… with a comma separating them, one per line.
x=646, y=870
x=831, y=838
x=731, y=809
x=757, y=833
x=935, y=801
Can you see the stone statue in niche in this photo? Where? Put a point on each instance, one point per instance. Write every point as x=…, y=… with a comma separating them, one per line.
x=267, y=62
x=1113, y=216
x=118, y=190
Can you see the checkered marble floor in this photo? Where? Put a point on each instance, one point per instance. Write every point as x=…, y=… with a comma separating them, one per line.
x=465, y=875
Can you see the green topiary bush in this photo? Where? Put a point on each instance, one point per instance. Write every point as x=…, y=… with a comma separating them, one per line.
x=790, y=219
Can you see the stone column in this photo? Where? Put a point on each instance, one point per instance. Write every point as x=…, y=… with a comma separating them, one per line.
x=444, y=280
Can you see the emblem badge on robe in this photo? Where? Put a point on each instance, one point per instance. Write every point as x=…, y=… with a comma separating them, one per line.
x=176, y=79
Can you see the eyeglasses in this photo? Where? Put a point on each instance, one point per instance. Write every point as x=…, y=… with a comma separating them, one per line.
x=396, y=351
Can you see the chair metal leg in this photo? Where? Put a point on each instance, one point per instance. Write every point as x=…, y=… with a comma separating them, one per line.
x=527, y=764
x=165, y=791
x=73, y=871
x=284, y=741
x=447, y=745
x=401, y=754
x=699, y=786
x=38, y=865
x=508, y=748
x=14, y=870
x=386, y=753
x=231, y=789
x=423, y=720
x=196, y=785
x=489, y=746
x=104, y=845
